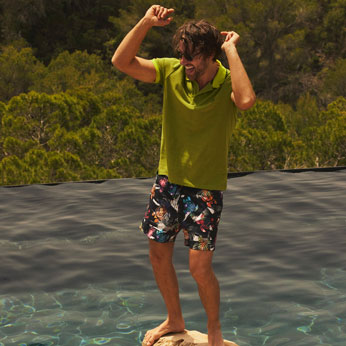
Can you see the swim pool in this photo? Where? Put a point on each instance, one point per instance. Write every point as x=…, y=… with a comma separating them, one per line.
x=74, y=269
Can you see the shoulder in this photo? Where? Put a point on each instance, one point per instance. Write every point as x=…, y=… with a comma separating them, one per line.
x=165, y=67
x=166, y=62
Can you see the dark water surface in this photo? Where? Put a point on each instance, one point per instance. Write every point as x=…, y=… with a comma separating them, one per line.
x=74, y=268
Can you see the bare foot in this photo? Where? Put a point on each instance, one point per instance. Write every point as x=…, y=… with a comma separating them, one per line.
x=164, y=328
x=215, y=335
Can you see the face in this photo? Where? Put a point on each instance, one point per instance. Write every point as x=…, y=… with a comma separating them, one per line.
x=195, y=64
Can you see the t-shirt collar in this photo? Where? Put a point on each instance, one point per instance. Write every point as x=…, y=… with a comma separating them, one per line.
x=219, y=77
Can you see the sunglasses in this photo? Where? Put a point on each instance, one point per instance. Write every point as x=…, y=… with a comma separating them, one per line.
x=187, y=56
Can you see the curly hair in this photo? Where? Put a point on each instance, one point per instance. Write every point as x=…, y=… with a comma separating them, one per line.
x=199, y=37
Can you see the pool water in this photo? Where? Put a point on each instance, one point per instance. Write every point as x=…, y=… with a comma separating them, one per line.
x=75, y=271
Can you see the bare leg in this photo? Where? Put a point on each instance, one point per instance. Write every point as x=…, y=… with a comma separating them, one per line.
x=209, y=292
x=161, y=255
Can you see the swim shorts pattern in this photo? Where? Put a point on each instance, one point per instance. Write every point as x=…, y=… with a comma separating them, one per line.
x=174, y=207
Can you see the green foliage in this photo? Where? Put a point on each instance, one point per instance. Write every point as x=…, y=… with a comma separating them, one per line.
x=329, y=146
x=110, y=124
x=2, y=110
x=322, y=139
x=260, y=140
x=75, y=136
x=306, y=115
x=15, y=147
x=334, y=110
x=272, y=136
x=289, y=48
x=81, y=136
x=54, y=26
x=138, y=147
x=36, y=116
x=158, y=40
x=284, y=44
x=72, y=71
x=39, y=166
x=333, y=28
x=66, y=114
x=265, y=116
x=334, y=80
x=19, y=69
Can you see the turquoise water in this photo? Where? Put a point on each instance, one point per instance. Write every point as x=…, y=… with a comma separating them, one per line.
x=74, y=267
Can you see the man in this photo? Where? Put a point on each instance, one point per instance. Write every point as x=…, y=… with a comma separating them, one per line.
x=199, y=112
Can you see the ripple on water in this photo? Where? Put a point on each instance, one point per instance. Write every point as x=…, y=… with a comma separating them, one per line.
x=75, y=269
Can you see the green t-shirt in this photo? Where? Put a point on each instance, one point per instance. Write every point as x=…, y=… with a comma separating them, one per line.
x=196, y=126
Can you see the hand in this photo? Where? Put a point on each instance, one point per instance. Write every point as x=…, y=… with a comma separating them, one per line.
x=157, y=15
x=231, y=39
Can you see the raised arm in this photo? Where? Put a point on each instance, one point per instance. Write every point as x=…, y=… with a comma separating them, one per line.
x=125, y=57
x=243, y=94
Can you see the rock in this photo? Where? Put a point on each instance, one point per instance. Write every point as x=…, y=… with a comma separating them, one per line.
x=187, y=338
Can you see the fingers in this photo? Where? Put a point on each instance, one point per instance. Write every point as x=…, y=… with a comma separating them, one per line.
x=162, y=12
x=231, y=37
x=229, y=34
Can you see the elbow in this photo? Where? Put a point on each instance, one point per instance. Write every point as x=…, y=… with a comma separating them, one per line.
x=246, y=102
x=116, y=62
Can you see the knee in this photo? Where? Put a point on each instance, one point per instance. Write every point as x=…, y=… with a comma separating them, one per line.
x=160, y=255
x=200, y=273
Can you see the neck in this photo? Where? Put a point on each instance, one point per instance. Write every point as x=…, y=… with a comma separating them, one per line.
x=208, y=75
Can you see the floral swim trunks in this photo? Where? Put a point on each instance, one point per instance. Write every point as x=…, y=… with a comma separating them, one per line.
x=174, y=207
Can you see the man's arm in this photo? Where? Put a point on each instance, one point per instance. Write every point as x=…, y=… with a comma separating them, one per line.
x=125, y=57
x=243, y=94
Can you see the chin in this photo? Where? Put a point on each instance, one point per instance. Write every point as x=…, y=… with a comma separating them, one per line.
x=191, y=76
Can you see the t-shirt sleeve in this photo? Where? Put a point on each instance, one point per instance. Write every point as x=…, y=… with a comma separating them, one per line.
x=159, y=70
x=164, y=67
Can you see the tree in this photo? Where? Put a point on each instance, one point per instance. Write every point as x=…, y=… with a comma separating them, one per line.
x=19, y=69
x=332, y=30
x=13, y=24
x=36, y=116
x=13, y=171
x=284, y=44
x=39, y=166
x=158, y=40
x=78, y=118
x=69, y=24
x=2, y=111
x=305, y=116
x=334, y=80
x=138, y=147
x=77, y=70
x=330, y=143
x=260, y=140
x=110, y=123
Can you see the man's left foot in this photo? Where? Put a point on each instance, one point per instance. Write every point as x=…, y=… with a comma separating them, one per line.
x=164, y=328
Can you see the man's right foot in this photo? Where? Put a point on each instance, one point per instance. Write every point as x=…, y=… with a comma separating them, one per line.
x=164, y=328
